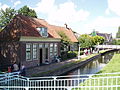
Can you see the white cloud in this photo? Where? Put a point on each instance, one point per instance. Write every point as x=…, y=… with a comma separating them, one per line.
x=16, y=3
x=107, y=11
x=45, y=6
x=106, y=25
x=62, y=13
x=66, y=13
x=106, y=22
x=3, y=6
x=114, y=6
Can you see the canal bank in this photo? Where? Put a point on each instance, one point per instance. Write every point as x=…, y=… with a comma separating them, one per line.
x=62, y=67
x=106, y=77
x=94, y=65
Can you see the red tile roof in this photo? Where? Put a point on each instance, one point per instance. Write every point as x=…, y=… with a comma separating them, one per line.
x=26, y=26
x=54, y=30
x=68, y=32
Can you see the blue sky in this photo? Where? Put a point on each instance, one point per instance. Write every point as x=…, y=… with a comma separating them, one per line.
x=81, y=15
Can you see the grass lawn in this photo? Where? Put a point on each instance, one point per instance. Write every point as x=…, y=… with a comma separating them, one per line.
x=113, y=66
x=107, y=80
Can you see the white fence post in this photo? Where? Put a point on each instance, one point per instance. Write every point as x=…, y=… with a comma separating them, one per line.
x=54, y=82
x=79, y=82
x=27, y=87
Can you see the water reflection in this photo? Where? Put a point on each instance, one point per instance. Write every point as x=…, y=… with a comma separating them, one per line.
x=94, y=66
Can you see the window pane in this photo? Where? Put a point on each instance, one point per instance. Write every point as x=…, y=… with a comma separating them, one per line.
x=46, y=45
x=40, y=45
x=43, y=32
x=28, y=51
x=55, y=49
x=51, y=49
x=34, y=51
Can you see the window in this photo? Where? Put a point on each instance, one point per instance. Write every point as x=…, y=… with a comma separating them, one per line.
x=51, y=49
x=55, y=49
x=28, y=51
x=41, y=45
x=43, y=31
x=46, y=45
x=34, y=51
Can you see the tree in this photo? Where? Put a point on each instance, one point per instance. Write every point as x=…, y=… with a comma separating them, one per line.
x=25, y=10
x=114, y=42
x=118, y=33
x=85, y=41
x=65, y=41
x=6, y=16
x=98, y=39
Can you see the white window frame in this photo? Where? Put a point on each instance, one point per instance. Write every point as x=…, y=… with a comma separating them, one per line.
x=28, y=52
x=55, y=48
x=43, y=31
x=41, y=45
x=51, y=49
x=35, y=54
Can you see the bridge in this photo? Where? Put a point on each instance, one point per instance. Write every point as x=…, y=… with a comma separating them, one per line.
x=108, y=46
x=106, y=81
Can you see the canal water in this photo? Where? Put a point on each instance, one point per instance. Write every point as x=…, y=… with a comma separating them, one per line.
x=93, y=66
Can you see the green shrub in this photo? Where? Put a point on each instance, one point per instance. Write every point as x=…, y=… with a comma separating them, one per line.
x=81, y=52
x=64, y=56
x=71, y=54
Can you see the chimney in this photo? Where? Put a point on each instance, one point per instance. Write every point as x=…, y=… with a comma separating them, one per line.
x=66, y=26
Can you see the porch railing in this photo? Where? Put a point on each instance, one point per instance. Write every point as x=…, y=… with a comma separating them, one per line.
x=108, y=81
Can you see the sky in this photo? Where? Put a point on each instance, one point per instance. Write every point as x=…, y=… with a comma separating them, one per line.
x=83, y=16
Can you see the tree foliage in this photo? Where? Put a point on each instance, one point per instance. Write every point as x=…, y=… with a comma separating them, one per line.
x=98, y=39
x=87, y=41
x=65, y=41
x=115, y=42
x=6, y=16
x=118, y=33
x=25, y=10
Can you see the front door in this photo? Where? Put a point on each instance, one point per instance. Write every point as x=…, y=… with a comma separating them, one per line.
x=41, y=56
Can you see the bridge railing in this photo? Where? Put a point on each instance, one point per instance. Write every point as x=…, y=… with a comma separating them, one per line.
x=108, y=46
x=109, y=81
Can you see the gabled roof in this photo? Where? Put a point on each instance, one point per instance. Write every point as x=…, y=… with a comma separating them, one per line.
x=68, y=32
x=54, y=30
x=105, y=35
x=26, y=26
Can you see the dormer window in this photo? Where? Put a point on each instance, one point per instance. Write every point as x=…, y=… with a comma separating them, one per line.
x=43, y=31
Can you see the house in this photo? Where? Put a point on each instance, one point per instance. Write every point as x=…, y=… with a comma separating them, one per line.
x=69, y=33
x=77, y=34
x=108, y=37
x=31, y=41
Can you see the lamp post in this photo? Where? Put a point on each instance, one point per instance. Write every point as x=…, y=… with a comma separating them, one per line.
x=79, y=52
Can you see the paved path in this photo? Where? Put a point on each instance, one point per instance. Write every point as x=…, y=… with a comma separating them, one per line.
x=45, y=68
